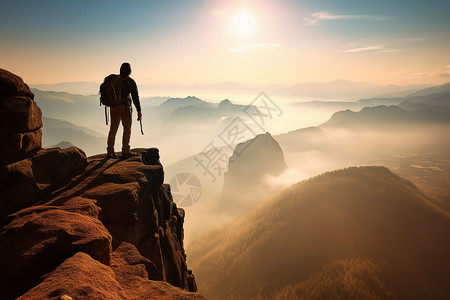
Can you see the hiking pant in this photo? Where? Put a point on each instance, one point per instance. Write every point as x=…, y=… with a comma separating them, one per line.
x=119, y=113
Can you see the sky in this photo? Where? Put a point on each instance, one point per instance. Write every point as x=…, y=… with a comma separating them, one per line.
x=250, y=42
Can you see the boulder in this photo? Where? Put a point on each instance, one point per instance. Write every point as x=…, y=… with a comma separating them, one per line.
x=79, y=277
x=19, y=114
x=59, y=164
x=20, y=119
x=13, y=85
x=20, y=146
x=41, y=239
x=25, y=182
x=151, y=156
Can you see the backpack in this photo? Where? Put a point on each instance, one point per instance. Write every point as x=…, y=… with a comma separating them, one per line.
x=111, y=91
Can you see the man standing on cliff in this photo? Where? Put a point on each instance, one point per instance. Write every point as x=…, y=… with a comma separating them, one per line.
x=123, y=112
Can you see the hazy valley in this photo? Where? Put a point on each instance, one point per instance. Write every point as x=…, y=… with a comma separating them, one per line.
x=302, y=239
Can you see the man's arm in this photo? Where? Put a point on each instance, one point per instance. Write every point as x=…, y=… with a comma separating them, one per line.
x=135, y=98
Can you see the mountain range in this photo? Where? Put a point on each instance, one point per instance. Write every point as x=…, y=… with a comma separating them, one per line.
x=436, y=96
x=63, y=134
x=344, y=89
x=191, y=111
x=386, y=117
x=338, y=89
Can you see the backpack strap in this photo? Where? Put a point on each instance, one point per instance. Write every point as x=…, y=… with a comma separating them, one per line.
x=106, y=114
x=118, y=94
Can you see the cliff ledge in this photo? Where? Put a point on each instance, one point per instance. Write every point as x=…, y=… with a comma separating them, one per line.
x=74, y=227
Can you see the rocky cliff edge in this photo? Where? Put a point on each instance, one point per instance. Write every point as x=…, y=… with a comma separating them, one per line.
x=74, y=227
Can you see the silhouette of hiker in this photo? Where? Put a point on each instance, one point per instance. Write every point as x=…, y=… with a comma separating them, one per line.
x=123, y=112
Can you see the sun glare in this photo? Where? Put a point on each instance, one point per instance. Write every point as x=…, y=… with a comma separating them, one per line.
x=244, y=23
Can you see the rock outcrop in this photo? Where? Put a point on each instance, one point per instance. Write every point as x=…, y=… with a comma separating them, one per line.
x=20, y=119
x=25, y=182
x=74, y=227
x=79, y=277
x=244, y=182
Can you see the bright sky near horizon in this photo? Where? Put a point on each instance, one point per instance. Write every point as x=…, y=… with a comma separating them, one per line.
x=254, y=41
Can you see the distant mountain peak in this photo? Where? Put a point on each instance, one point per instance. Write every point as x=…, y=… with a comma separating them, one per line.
x=251, y=162
x=180, y=102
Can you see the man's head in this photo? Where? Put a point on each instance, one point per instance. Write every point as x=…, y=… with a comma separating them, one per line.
x=125, y=69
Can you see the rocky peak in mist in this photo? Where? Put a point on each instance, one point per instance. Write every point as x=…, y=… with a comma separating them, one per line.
x=191, y=110
x=252, y=161
x=74, y=227
x=225, y=103
x=256, y=158
x=227, y=108
x=184, y=108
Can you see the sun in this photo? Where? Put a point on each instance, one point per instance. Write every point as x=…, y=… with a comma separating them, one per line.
x=244, y=23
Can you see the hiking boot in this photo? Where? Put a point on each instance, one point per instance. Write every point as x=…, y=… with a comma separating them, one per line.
x=129, y=154
x=111, y=155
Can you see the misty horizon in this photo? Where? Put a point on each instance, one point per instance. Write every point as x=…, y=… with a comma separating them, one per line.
x=347, y=91
x=279, y=150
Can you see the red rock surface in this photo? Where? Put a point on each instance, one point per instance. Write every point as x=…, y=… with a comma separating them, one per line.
x=79, y=277
x=62, y=216
x=13, y=85
x=136, y=208
x=20, y=119
x=19, y=114
x=40, y=239
x=25, y=182
x=124, y=199
x=132, y=272
x=20, y=145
